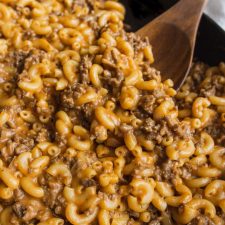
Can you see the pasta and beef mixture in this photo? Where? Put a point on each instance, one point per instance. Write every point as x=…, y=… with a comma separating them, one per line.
x=91, y=135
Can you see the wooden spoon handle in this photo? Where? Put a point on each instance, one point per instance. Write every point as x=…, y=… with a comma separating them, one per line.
x=189, y=10
x=186, y=14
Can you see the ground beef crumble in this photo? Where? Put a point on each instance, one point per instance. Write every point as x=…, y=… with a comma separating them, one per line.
x=116, y=154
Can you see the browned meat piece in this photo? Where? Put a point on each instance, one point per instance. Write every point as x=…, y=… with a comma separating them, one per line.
x=28, y=209
x=70, y=94
x=147, y=102
x=170, y=170
x=183, y=130
x=136, y=41
x=202, y=220
x=42, y=135
x=85, y=65
x=155, y=222
x=20, y=58
x=54, y=190
x=19, y=210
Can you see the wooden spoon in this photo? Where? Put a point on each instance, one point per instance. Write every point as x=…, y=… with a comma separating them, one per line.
x=172, y=36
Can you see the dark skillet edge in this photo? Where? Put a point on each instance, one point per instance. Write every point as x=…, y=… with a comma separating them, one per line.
x=210, y=44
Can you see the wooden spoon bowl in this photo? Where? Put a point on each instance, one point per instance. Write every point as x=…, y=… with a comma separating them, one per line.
x=172, y=36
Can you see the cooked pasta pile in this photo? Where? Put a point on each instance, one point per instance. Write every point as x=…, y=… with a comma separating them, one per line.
x=90, y=134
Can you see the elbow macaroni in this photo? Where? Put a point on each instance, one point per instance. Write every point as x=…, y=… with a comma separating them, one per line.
x=89, y=131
